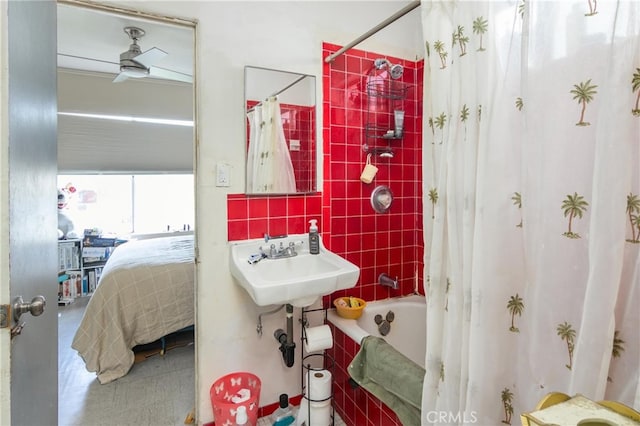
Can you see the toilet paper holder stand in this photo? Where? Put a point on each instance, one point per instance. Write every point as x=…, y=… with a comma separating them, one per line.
x=327, y=363
x=304, y=321
x=311, y=403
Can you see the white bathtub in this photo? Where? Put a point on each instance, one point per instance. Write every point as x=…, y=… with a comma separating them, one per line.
x=408, y=332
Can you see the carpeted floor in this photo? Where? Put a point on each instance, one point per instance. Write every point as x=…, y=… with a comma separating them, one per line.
x=159, y=391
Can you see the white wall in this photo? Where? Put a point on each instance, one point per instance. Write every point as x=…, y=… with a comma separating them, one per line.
x=280, y=35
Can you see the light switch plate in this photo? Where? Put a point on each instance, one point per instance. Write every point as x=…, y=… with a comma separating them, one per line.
x=223, y=174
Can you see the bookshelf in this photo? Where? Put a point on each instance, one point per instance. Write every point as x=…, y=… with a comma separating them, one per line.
x=69, y=270
x=79, y=268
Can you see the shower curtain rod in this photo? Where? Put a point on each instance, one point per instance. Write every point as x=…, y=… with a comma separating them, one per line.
x=399, y=14
x=276, y=93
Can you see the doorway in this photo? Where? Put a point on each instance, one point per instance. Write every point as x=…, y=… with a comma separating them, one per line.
x=109, y=128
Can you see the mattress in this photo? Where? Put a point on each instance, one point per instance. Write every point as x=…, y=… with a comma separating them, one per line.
x=146, y=291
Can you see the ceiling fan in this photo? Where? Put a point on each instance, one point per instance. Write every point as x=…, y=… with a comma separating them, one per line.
x=134, y=63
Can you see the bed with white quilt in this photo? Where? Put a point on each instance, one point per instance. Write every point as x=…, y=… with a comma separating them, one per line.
x=146, y=291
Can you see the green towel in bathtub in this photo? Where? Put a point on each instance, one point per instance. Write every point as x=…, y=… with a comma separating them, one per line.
x=391, y=377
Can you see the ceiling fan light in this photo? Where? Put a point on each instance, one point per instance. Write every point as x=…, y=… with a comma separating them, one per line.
x=134, y=72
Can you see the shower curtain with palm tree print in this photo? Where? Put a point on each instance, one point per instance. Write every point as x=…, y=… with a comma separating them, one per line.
x=269, y=166
x=532, y=205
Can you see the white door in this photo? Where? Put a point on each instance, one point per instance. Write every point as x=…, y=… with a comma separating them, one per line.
x=31, y=123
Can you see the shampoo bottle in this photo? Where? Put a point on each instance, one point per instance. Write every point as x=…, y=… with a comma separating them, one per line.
x=314, y=238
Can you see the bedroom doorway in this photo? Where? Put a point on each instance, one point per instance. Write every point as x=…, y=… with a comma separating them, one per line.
x=126, y=114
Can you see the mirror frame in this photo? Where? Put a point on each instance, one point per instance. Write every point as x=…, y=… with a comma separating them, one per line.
x=312, y=160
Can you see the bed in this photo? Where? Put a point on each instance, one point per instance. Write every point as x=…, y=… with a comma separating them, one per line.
x=146, y=291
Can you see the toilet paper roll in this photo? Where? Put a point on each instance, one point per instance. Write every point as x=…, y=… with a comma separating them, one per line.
x=318, y=338
x=318, y=387
x=314, y=414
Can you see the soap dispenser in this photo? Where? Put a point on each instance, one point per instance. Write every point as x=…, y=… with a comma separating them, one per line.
x=314, y=237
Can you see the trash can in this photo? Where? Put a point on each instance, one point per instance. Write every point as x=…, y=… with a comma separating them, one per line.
x=231, y=391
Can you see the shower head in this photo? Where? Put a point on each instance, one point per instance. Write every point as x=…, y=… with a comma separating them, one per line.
x=381, y=63
x=396, y=71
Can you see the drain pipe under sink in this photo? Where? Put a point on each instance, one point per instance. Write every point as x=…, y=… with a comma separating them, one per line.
x=287, y=346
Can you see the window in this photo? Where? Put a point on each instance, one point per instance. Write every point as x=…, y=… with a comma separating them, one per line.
x=124, y=204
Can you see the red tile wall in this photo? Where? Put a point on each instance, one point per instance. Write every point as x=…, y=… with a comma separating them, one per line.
x=388, y=243
x=299, y=124
x=253, y=216
x=353, y=404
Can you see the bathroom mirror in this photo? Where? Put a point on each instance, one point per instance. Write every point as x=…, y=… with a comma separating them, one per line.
x=280, y=133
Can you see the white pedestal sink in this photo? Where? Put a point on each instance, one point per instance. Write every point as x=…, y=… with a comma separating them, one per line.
x=297, y=280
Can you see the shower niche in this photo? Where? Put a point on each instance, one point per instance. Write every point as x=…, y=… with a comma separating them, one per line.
x=384, y=121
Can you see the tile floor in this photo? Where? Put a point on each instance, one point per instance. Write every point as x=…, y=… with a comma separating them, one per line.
x=264, y=421
x=158, y=391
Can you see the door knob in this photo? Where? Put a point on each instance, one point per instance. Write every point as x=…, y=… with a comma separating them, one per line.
x=36, y=307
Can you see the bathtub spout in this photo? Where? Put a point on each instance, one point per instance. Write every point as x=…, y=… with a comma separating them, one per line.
x=386, y=281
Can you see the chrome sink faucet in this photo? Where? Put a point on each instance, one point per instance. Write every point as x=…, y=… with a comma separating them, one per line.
x=281, y=251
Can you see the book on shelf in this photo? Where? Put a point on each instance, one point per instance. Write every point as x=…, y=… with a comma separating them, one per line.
x=99, y=241
x=96, y=254
x=71, y=287
x=93, y=278
x=68, y=255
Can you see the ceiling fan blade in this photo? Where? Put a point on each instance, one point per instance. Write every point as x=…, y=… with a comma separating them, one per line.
x=83, y=63
x=150, y=57
x=66, y=55
x=170, y=75
x=120, y=77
